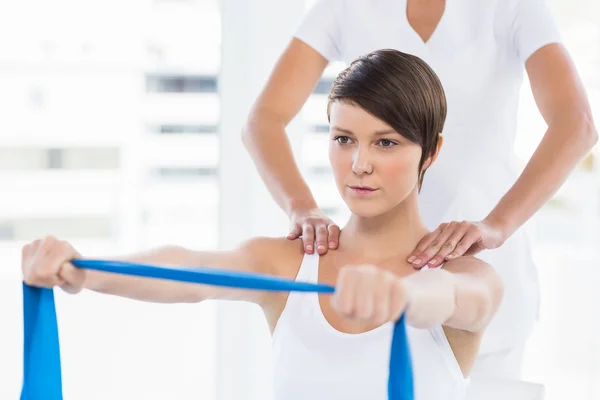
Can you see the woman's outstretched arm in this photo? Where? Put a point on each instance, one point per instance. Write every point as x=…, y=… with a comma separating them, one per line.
x=45, y=263
x=464, y=295
x=467, y=289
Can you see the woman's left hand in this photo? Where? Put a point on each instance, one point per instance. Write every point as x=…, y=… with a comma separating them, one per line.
x=455, y=239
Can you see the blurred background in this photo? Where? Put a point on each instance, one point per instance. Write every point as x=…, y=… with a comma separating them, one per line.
x=120, y=130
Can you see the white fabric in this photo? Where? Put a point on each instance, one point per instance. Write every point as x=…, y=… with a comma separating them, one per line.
x=478, y=50
x=505, y=364
x=313, y=360
x=503, y=389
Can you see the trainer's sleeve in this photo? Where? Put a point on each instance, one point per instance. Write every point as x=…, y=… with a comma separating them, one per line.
x=320, y=29
x=532, y=26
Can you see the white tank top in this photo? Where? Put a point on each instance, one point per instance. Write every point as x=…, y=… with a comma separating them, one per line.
x=313, y=360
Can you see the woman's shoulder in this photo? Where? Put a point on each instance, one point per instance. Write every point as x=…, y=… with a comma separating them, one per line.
x=280, y=255
x=467, y=263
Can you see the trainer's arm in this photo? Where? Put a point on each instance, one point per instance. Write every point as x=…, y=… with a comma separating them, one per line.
x=294, y=77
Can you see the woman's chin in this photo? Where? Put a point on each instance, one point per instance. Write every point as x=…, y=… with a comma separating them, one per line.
x=364, y=210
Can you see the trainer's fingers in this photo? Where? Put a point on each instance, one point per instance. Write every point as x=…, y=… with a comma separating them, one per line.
x=432, y=255
x=334, y=236
x=295, y=232
x=472, y=236
x=427, y=256
x=322, y=236
x=417, y=256
x=451, y=243
x=308, y=238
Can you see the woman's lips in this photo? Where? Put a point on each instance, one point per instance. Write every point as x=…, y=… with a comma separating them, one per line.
x=362, y=189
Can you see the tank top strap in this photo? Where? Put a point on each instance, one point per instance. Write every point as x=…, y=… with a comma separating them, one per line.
x=299, y=303
x=309, y=269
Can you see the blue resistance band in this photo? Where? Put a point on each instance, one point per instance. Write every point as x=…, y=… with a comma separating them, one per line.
x=42, y=378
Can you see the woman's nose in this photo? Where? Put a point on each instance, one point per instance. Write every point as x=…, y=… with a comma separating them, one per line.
x=362, y=162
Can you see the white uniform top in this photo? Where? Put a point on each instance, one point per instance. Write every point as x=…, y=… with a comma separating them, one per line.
x=478, y=51
x=313, y=360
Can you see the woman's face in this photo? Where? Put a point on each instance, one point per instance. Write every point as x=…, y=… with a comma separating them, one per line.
x=375, y=167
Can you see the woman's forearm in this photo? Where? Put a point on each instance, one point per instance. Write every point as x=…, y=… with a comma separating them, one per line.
x=253, y=255
x=465, y=300
x=566, y=142
x=265, y=138
x=148, y=289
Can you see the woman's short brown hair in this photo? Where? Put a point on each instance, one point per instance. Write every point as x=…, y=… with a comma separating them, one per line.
x=399, y=89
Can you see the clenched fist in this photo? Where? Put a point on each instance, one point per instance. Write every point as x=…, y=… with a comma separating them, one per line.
x=370, y=294
x=45, y=263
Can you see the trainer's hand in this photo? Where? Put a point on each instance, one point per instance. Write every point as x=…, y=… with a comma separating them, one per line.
x=370, y=295
x=45, y=263
x=455, y=239
x=307, y=223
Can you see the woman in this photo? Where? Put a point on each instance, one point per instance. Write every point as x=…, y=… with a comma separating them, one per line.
x=479, y=50
x=386, y=112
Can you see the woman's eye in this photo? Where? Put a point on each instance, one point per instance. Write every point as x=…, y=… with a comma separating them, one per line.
x=387, y=143
x=342, y=139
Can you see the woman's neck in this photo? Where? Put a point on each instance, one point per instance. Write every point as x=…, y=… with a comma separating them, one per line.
x=395, y=232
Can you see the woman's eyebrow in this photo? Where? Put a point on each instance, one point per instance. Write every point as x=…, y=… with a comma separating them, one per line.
x=376, y=133
x=337, y=128
x=384, y=132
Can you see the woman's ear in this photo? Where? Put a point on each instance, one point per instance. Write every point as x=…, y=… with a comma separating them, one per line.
x=430, y=160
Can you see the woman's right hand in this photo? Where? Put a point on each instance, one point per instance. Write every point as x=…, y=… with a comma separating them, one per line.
x=371, y=295
x=45, y=263
x=308, y=222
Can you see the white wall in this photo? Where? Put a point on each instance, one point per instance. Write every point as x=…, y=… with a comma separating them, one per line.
x=252, y=39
